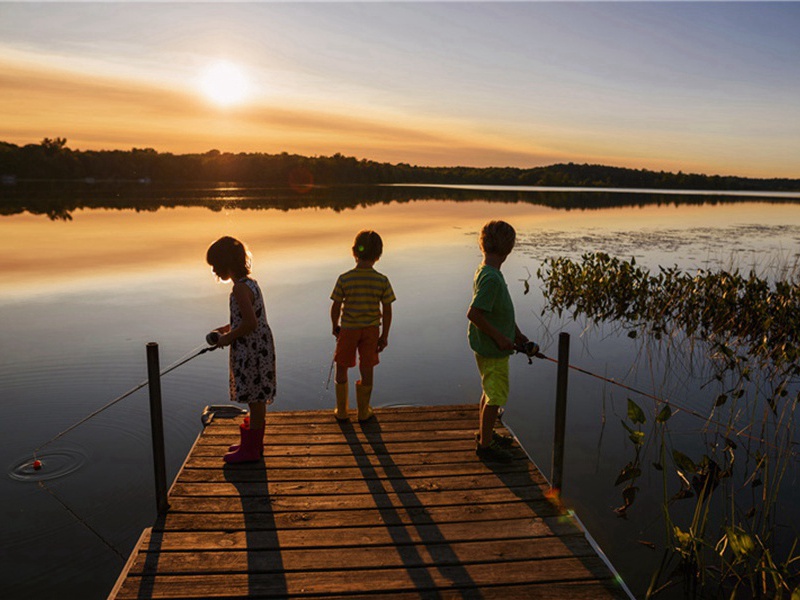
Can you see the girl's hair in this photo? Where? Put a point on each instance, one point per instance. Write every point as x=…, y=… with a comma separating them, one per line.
x=368, y=245
x=231, y=254
x=497, y=237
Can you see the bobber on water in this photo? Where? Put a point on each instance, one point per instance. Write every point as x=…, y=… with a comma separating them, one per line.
x=37, y=464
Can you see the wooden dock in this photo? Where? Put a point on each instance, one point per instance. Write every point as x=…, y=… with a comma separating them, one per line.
x=399, y=507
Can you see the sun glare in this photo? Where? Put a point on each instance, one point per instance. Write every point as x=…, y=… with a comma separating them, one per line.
x=224, y=83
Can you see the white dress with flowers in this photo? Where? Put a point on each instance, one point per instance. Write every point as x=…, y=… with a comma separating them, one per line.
x=252, y=358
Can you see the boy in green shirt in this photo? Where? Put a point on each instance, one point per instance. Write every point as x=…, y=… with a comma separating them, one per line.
x=493, y=336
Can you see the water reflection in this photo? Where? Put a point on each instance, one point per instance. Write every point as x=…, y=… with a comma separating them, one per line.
x=60, y=200
x=80, y=298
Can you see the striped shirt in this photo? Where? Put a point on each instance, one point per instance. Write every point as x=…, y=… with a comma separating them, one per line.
x=361, y=292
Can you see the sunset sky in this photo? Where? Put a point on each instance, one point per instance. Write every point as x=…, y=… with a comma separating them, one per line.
x=711, y=87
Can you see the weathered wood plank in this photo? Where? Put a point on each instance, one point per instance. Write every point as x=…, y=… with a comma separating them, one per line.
x=322, y=472
x=388, y=414
x=370, y=429
x=301, y=501
x=407, y=579
x=209, y=458
x=420, y=555
x=375, y=486
x=337, y=537
x=399, y=507
x=358, y=438
x=339, y=448
x=361, y=517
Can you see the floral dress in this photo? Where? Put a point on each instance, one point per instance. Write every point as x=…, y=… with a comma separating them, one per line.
x=252, y=361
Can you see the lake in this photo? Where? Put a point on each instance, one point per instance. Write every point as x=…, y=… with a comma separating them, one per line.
x=91, y=273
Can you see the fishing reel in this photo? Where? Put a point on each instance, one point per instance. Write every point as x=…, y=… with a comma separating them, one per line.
x=529, y=349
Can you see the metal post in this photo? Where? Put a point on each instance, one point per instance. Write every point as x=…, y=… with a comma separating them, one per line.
x=561, y=411
x=157, y=427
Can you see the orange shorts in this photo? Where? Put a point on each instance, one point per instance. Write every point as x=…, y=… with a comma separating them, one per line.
x=365, y=340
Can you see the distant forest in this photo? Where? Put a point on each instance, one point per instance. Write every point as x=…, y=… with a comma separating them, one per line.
x=51, y=159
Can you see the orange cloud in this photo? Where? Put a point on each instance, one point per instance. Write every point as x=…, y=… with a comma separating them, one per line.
x=103, y=111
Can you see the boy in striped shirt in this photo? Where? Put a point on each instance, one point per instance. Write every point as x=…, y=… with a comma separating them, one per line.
x=361, y=315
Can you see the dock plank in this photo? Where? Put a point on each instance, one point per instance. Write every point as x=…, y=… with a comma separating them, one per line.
x=399, y=507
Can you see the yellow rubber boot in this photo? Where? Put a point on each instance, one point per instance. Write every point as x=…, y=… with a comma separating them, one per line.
x=363, y=393
x=341, y=402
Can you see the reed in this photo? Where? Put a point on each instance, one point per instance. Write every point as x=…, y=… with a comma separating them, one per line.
x=721, y=500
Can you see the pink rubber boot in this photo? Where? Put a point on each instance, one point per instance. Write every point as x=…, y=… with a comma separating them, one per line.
x=246, y=425
x=250, y=448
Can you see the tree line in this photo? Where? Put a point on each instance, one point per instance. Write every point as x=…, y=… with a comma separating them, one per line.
x=52, y=159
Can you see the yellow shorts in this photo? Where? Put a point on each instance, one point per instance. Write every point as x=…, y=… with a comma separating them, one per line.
x=494, y=379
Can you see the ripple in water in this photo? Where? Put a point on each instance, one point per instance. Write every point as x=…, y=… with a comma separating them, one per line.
x=55, y=464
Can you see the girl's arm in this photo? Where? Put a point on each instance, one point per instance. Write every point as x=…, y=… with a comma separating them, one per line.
x=336, y=311
x=244, y=298
x=386, y=321
x=476, y=316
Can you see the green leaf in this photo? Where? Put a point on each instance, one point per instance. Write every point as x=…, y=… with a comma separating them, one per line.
x=741, y=543
x=683, y=538
x=637, y=437
x=796, y=593
x=664, y=414
x=630, y=471
x=635, y=414
x=684, y=462
x=629, y=494
x=721, y=399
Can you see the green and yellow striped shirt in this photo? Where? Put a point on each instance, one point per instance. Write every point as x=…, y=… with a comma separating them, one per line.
x=361, y=292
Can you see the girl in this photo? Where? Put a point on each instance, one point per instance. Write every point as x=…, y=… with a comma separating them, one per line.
x=252, y=354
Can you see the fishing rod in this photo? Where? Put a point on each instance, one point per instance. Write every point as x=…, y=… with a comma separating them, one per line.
x=181, y=361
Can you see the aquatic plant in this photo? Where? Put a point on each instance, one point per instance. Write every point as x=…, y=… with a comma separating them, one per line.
x=741, y=332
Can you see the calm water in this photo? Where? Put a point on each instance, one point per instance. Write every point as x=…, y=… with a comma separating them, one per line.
x=88, y=277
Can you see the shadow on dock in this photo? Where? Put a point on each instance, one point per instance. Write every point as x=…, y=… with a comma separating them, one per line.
x=261, y=530
x=444, y=559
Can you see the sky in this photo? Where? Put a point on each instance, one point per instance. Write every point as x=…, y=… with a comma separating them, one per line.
x=700, y=87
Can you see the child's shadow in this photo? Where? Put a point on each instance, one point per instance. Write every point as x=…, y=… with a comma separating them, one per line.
x=416, y=528
x=261, y=547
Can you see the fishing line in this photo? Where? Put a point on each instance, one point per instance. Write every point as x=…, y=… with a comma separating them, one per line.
x=81, y=521
x=660, y=400
x=330, y=373
x=181, y=361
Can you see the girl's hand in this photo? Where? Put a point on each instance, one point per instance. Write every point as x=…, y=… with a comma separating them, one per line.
x=224, y=340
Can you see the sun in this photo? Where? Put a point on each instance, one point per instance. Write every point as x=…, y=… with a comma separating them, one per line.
x=224, y=83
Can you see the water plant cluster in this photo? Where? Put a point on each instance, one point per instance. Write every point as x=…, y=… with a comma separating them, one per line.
x=740, y=333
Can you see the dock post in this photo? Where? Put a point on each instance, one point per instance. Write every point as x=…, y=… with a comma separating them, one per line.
x=157, y=426
x=557, y=475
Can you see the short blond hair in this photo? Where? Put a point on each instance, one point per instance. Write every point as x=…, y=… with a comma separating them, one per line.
x=497, y=237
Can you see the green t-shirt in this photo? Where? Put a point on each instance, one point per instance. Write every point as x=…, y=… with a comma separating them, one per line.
x=490, y=294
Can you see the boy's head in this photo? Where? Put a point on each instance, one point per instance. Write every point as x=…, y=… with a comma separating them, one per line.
x=497, y=237
x=368, y=246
